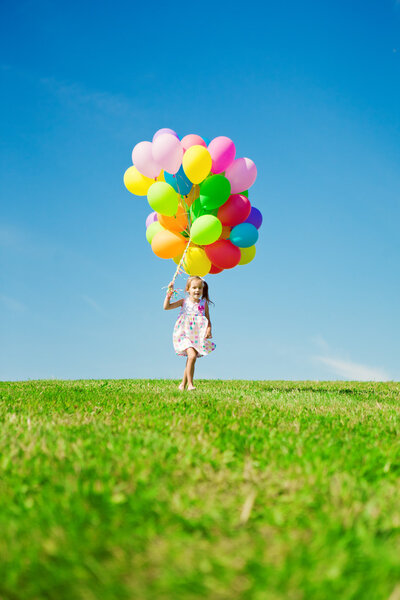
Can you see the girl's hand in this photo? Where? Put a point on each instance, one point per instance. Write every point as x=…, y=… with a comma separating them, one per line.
x=208, y=333
x=170, y=290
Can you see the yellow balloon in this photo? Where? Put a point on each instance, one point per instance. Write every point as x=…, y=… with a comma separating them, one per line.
x=196, y=163
x=137, y=183
x=196, y=261
x=247, y=255
x=161, y=177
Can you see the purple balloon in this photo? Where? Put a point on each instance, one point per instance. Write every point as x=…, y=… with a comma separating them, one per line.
x=255, y=217
x=152, y=218
x=165, y=130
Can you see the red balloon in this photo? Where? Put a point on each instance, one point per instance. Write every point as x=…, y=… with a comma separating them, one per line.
x=223, y=254
x=235, y=210
x=214, y=270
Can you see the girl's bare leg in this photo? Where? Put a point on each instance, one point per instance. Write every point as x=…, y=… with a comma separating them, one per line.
x=191, y=361
x=183, y=383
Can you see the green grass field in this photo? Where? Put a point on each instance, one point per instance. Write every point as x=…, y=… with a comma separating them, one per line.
x=251, y=490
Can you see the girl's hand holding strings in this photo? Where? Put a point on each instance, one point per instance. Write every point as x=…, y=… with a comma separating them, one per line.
x=170, y=290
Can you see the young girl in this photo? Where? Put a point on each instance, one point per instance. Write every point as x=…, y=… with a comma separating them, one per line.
x=193, y=328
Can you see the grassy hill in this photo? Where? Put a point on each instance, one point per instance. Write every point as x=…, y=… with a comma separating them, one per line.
x=252, y=490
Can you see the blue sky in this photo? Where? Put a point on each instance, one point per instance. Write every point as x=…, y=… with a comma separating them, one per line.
x=310, y=91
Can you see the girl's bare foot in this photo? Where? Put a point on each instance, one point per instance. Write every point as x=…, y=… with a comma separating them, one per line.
x=181, y=387
x=191, y=388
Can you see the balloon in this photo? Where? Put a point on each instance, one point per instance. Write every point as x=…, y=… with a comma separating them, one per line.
x=165, y=130
x=222, y=151
x=214, y=191
x=192, y=196
x=177, y=222
x=166, y=244
x=137, y=183
x=205, y=230
x=151, y=218
x=196, y=163
x=214, y=270
x=152, y=229
x=242, y=174
x=163, y=198
x=226, y=232
x=168, y=152
x=244, y=235
x=161, y=177
x=235, y=210
x=247, y=255
x=192, y=140
x=223, y=254
x=255, y=217
x=197, y=210
x=246, y=193
x=142, y=158
x=179, y=182
x=177, y=258
x=196, y=262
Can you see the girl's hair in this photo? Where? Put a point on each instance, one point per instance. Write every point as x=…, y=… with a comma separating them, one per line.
x=205, y=287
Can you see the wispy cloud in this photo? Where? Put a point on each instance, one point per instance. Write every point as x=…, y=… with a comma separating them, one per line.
x=12, y=304
x=93, y=304
x=343, y=367
x=353, y=371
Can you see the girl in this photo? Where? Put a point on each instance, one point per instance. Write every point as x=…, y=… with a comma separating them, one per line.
x=193, y=327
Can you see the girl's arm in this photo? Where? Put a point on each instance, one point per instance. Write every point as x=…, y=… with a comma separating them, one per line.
x=207, y=314
x=167, y=305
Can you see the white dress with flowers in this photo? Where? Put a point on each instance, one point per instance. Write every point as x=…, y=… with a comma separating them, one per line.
x=191, y=328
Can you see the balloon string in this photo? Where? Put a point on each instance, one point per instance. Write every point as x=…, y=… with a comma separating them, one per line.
x=187, y=229
x=179, y=267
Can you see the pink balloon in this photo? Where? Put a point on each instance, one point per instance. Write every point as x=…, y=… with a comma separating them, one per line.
x=241, y=174
x=222, y=151
x=152, y=218
x=168, y=152
x=142, y=158
x=192, y=140
x=165, y=130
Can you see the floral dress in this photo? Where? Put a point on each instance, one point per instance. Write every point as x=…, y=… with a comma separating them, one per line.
x=191, y=328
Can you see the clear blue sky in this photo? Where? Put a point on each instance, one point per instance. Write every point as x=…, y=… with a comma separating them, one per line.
x=309, y=90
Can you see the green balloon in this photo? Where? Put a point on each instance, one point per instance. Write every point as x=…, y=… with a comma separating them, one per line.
x=246, y=193
x=152, y=229
x=163, y=198
x=215, y=191
x=198, y=210
x=205, y=230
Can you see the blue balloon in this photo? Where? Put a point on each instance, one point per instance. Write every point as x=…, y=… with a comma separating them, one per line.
x=179, y=182
x=244, y=235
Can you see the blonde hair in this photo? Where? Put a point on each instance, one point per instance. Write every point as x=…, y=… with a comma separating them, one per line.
x=205, y=286
x=193, y=278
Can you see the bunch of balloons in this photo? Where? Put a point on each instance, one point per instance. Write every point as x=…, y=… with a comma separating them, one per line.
x=198, y=191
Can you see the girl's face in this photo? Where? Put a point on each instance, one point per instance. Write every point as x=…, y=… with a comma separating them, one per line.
x=196, y=290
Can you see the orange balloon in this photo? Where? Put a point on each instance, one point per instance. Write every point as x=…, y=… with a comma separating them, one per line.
x=226, y=232
x=176, y=223
x=167, y=244
x=193, y=195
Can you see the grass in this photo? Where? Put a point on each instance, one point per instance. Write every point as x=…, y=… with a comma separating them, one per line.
x=242, y=490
